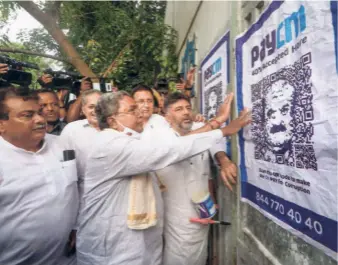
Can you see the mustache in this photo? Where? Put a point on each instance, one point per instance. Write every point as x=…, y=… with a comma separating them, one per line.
x=278, y=128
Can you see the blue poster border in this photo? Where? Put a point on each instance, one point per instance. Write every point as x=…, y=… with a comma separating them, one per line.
x=248, y=190
x=224, y=38
x=334, y=7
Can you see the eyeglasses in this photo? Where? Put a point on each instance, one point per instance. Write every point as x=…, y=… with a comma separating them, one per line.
x=143, y=102
x=130, y=112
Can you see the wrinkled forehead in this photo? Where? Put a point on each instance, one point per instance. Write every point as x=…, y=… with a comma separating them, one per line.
x=280, y=91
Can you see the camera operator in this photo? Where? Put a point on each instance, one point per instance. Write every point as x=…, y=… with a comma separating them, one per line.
x=50, y=105
x=74, y=111
x=61, y=94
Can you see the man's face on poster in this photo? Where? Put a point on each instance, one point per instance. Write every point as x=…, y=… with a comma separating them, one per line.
x=212, y=105
x=278, y=115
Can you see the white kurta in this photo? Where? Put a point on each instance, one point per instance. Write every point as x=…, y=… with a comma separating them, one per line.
x=103, y=237
x=77, y=136
x=185, y=243
x=38, y=204
x=155, y=122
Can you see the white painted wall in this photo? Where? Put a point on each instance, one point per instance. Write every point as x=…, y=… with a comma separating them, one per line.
x=211, y=22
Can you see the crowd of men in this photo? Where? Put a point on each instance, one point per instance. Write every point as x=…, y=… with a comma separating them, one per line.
x=107, y=175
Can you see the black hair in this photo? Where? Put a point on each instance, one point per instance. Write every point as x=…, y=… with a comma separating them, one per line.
x=47, y=90
x=156, y=104
x=13, y=92
x=141, y=87
x=173, y=98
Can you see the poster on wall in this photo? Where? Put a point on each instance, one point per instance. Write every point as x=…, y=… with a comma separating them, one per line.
x=214, y=74
x=287, y=74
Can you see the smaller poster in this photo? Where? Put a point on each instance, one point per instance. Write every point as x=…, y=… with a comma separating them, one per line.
x=214, y=73
x=215, y=77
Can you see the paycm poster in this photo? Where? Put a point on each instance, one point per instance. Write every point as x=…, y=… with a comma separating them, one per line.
x=286, y=66
x=214, y=79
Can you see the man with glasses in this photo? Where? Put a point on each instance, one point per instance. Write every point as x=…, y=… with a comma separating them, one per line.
x=144, y=98
x=77, y=135
x=109, y=231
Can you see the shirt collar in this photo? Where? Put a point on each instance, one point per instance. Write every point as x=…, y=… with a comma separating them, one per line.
x=21, y=150
x=85, y=123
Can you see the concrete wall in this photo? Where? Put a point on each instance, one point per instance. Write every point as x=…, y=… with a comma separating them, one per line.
x=252, y=239
x=210, y=20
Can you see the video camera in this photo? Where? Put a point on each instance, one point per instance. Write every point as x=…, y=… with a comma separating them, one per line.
x=162, y=85
x=64, y=80
x=15, y=75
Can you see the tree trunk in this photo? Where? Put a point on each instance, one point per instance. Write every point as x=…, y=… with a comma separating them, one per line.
x=50, y=25
x=14, y=50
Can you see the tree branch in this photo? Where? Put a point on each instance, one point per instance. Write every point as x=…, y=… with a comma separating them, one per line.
x=57, y=34
x=54, y=10
x=113, y=64
x=13, y=50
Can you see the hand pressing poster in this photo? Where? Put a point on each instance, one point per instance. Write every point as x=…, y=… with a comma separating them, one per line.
x=287, y=74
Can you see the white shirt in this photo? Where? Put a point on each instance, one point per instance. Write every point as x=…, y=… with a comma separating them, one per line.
x=78, y=136
x=155, y=122
x=38, y=204
x=159, y=122
x=103, y=237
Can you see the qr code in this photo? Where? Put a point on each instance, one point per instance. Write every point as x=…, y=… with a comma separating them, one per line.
x=282, y=116
x=305, y=157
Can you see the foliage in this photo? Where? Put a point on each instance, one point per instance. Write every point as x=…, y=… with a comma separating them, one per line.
x=101, y=30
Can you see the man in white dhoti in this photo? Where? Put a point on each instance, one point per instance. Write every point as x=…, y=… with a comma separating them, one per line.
x=122, y=216
x=186, y=243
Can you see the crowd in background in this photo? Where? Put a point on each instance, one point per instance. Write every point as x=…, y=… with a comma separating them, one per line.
x=107, y=178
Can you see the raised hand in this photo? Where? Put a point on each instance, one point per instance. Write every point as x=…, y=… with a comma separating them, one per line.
x=3, y=68
x=234, y=127
x=225, y=109
x=190, y=78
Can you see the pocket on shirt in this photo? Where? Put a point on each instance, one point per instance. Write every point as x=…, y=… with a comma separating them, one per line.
x=69, y=171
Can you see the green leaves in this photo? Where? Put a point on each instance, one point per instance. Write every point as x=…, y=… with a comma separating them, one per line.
x=101, y=31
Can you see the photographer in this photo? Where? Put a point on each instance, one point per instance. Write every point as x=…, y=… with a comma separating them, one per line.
x=50, y=104
x=74, y=111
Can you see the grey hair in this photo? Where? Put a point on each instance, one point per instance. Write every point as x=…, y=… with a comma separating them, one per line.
x=107, y=106
x=87, y=93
